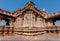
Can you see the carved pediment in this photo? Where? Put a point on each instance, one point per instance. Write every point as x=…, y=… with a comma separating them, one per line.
x=30, y=6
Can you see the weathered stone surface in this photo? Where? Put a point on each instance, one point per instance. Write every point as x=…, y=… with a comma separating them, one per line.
x=29, y=24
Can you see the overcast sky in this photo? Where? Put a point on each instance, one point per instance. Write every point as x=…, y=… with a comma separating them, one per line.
x=50, y=5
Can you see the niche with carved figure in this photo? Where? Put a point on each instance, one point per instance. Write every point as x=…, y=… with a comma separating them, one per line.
x=29, y=19
x=18, y=23
x=39, y=21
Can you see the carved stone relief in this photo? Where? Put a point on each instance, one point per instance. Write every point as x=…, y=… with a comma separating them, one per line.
x=29, y=20
x=18, y=23
x=39, y=22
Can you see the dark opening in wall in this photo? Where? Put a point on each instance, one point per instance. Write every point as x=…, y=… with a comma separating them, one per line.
x=4, y=22
x=57, y=23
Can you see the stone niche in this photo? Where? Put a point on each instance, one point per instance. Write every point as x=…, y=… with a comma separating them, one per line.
x=29, y=20
x=18, y=23
x=39, y=22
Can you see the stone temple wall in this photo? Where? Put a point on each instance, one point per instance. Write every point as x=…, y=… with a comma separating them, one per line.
x=29, y=24
x=32, y=34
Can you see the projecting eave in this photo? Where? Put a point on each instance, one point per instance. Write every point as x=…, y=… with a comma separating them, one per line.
x=54, y=16
x=6, y=13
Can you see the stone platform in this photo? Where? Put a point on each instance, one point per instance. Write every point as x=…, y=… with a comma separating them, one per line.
x=45, y=37
x=31, y=34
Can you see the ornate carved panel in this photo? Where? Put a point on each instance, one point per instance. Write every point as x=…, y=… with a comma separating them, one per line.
x=18, y=23
x=39, y=22
x=29, y=20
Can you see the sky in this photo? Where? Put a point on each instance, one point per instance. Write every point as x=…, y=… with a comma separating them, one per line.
x=50, y=5
x=11, y=5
